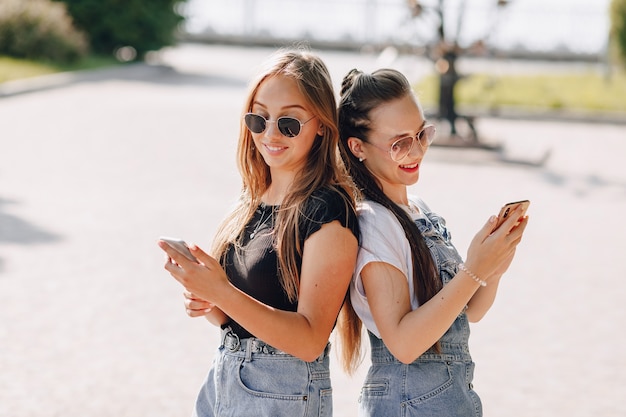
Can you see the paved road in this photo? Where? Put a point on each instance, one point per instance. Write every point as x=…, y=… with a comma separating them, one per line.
x=92, y=173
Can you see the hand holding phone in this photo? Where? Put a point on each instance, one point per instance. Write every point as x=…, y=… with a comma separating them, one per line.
x=180, y=245
x=508, y=208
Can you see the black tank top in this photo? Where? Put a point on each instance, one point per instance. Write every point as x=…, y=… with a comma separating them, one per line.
x=253, y=267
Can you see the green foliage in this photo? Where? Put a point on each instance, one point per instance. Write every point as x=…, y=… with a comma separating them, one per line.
x=576, y=91
x=618, y=27
x=39, y=29
x=145, y=25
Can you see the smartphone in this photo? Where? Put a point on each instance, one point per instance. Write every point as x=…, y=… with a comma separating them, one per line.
x=508, y=208
x=180, y=245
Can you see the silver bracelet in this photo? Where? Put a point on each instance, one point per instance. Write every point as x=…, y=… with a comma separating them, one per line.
x=472, y=275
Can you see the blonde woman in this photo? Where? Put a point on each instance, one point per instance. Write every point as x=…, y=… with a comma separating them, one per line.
x=282, y=260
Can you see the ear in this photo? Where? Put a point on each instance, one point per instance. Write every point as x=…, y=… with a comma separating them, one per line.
x=356, y=147
x=321, y=130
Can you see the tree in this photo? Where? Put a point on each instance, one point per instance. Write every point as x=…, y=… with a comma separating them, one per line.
x=142, y=25
x=618, y=27
x=40, y=29
x=444, y=49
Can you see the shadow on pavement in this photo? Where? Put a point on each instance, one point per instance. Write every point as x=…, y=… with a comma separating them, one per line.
x=15, y=230
x=166, y=75
x=582, y=186
x=18, y=231
x=139, y=72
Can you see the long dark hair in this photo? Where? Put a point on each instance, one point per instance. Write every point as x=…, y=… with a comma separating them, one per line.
x=360, y=94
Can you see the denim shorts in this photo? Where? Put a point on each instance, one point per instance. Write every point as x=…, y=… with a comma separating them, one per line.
x=436, y=384
x=251, y=378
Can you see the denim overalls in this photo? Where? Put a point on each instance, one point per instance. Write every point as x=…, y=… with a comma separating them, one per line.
x=435, y=384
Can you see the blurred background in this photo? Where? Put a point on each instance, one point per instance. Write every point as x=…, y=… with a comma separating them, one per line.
x=504, y=25
x=118, y=124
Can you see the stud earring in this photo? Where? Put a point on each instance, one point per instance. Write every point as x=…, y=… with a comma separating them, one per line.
x=360, y=159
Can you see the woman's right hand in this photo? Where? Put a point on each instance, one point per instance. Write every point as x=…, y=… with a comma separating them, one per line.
x=491, y=251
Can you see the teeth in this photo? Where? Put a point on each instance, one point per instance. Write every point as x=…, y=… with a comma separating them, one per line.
x=274, y=148
x=409, y=166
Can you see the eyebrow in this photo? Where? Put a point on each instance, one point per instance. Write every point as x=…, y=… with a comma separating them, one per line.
x=404, y=135
x=291, y=106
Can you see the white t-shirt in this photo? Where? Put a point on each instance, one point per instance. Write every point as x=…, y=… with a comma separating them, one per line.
x=382, y=240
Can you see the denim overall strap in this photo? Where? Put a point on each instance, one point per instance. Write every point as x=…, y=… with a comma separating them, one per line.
x=439, y=241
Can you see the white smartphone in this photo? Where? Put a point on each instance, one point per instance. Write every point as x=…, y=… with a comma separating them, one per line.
x=180, y=245
x=508, y=208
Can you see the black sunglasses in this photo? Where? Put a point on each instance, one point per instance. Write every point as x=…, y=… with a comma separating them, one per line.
x=288, y=126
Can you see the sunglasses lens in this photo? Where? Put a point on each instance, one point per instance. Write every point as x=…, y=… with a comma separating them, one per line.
x=289, y=126
x=427, y=135
x=401, y=148
x=255, y=123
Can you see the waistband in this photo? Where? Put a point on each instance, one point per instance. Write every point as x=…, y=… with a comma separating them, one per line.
x=456, y=352
x=231, y=342
x=250, y=345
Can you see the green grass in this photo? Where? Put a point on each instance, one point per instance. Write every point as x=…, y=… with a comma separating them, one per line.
x=14, y=69
x=585, y=91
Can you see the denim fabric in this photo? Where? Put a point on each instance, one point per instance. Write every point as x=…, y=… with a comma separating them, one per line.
x=435, y=384
x=256, y=380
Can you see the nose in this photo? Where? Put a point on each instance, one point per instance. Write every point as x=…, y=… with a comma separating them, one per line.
x=271, y=129
x=417, y=148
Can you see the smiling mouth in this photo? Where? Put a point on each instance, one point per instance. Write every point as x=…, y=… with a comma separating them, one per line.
x=271, y=148
x=410, y=166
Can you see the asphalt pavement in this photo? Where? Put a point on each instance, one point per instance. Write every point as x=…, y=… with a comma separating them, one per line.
x=94, y=167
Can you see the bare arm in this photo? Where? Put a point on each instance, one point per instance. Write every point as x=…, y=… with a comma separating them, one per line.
x=327, y=264
x=409, y=333
x=482, y=301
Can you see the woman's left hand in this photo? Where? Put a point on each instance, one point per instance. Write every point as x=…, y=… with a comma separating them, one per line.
x=196, y=307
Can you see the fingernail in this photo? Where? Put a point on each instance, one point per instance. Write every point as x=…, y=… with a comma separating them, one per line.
x=193, y=246
x=492, y=219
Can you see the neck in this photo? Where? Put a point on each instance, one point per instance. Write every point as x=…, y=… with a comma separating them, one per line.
x=398, y=194
x=276, y=192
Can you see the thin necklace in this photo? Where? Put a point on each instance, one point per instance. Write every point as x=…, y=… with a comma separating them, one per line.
x=411, y=208
x=262, y=221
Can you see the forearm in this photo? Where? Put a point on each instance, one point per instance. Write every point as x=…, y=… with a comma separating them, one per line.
x=424, y=326
x=291, y=332
x=482, y=300
x=216, y=317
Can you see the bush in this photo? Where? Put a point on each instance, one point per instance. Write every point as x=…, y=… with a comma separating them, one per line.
x=618, y=27
x=40, y=30
x=145, y=25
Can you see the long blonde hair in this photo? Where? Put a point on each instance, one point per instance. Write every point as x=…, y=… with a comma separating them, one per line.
x=323, y=167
